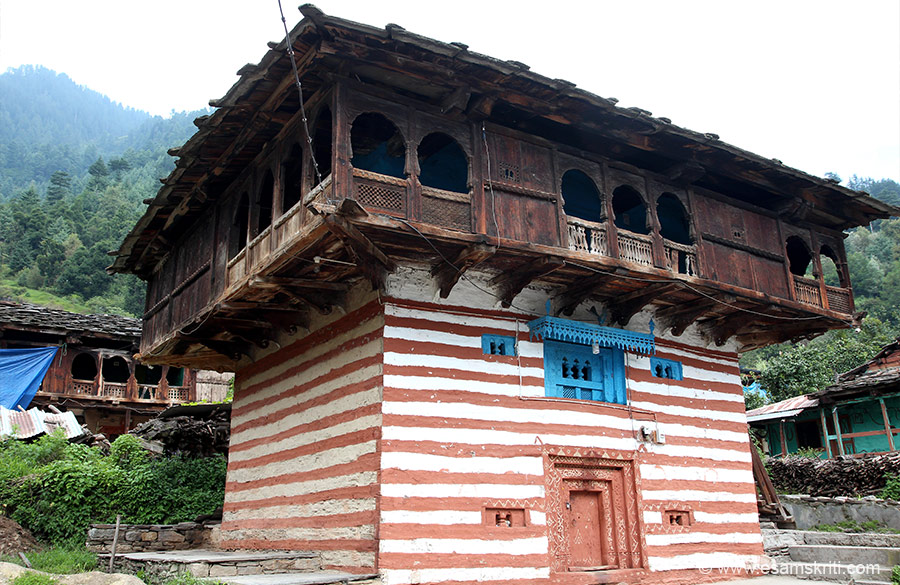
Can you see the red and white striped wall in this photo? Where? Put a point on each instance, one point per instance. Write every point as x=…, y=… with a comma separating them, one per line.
x=303, y=464
x=381, y=438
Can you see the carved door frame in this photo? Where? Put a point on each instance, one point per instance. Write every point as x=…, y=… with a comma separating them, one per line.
x=568, y=469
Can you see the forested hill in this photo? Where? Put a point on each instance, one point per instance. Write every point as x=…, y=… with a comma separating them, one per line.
x=74, y=170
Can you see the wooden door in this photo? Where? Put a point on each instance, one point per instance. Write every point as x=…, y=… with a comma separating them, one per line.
x=589, y=518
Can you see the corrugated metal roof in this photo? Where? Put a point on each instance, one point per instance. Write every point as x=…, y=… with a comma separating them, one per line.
x=785, y=408
x=34, y=422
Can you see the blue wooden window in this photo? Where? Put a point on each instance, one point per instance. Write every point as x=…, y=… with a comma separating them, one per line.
x=662, y=368
x=573, y=370
x=498, y=344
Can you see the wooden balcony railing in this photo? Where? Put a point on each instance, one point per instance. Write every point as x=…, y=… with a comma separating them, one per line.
x=680, y=258
x=636, y=248
x=807, y=291
x=178, y=393
x=83, y=387
x=839, y=299
x=380, y=191
x=587, y=236
x=113, y=389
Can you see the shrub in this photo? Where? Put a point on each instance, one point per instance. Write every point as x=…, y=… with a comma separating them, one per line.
x=891, y=489
x=57, y=490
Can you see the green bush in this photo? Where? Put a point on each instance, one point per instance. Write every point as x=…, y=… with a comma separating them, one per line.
x=895, y=575
x=57, y=490
x=891, y=489
x=33, y=578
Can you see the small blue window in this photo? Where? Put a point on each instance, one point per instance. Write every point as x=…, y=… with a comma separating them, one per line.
x=498, y=344
x=662, y=368
x=572, y=370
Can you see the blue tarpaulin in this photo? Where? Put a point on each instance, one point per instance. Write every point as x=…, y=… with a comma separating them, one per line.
x=21, y=374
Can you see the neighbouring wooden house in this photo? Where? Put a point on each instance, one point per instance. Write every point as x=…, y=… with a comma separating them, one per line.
x=485, y=325
x=860, y=413
x=94, y=374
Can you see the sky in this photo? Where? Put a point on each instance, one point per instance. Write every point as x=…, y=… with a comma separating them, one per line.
x=813, y=83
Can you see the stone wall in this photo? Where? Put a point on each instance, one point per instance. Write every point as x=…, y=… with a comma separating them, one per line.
x=150, y=537
x=809, y=511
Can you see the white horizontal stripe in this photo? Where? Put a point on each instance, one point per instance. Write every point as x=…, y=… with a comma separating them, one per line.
x=427, y=462
x=520, y=546
x=451, y=363
x=663, y=389
x=447, y=316
x=302, y=488
x=306, y=463
x=364, y=532
x=652, y=517
x=442, y=517
x=438, y=383
x=302, y=439
x=478, y=437
x=726, y=518
x=706, y=561
x=282, y=394
x=313, y=353
x=700, y=537
x=479, y=490
x=506, y=574
x=590, y=419
x=671, y=472
x=738, y=417
x=538, y=518
x=695, y=496
x=323, y=508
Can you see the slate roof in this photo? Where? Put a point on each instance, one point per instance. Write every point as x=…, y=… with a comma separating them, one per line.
x=784, y=409
x=35, y=318
x=881, y=372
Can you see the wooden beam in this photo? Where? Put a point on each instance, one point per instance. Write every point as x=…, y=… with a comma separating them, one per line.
x=887, y=424
x=370, y=260
x=448, y=274
x=679, y=317
x=297, y=283
x=512, y=282
x=721, y=329
x=624, y=307
x=574, y=295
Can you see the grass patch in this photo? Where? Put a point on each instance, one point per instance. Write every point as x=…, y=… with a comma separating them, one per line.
x=855, y=527
x=62, y=560
x=10, y=289
x=32, y=578
x=188, y=579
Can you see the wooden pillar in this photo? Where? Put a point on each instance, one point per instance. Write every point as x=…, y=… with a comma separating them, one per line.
x=825, y=432
x=837, y=430
x=784, y=451
x=887, y=424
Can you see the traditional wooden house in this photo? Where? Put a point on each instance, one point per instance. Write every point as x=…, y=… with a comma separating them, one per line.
x=484, y=324
x=94, y=374
x=859, y=414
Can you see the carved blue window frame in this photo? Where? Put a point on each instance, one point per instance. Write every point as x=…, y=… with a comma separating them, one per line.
x=585, y=361
x=498, y=344
x=663, y=368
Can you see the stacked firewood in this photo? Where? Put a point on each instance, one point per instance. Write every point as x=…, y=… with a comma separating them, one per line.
x=187, y=435
x=842, y=476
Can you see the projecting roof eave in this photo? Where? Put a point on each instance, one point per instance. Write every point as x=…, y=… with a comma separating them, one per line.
x=784, y=414
x=317, y=27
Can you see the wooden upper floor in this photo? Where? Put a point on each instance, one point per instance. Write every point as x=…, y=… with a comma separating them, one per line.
x=417, y=151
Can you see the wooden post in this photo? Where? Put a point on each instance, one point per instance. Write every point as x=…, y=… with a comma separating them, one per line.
x=112, y=554
x=887, y=425
x=837, y=430
x=825, y=432
x=784, y=452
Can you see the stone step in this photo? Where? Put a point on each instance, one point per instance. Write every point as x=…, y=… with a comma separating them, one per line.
x=779, y=538
x=160, y=566
x=316, y=578
x=837, y=572
x=861, y=555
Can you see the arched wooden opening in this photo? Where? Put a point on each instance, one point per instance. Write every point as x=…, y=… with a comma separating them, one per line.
x=443, y=164
x=581, y=197
x=674, y=224
x=630, y=210
x=799, y=258
x=84, y=367
x=115, y=370
x=264, y=199
x=175, y=377
x=377, y=146
x=321, y=148
x=237, y=238
x=831, y=271
x=292, y=191
x=148, y=378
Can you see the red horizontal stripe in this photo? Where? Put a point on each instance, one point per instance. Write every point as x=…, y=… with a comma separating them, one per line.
x=344, y=493
x=368, y=462
x=445, y=477
x=459, y=531
x=677, y=550
x=365, y=518
x=354, y=438
x=297, y=544
x=457, y=309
